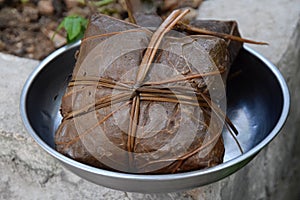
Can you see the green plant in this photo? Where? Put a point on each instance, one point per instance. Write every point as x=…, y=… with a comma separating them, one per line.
x=75, y=27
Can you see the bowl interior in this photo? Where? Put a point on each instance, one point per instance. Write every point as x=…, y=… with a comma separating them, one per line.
x=254, y=98
x=44, y=95
x=255, y=103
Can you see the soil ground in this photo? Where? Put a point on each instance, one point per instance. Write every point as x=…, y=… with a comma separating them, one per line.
x=27, y=26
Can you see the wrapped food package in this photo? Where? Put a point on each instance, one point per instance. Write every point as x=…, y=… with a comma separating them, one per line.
x=134, y=108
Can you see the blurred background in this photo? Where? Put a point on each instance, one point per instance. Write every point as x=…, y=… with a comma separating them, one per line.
x=27, y=26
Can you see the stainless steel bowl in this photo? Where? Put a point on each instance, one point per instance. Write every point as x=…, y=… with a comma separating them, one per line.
x=258, y=104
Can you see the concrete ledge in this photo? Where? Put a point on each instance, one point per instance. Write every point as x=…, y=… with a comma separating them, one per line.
x=27, y=172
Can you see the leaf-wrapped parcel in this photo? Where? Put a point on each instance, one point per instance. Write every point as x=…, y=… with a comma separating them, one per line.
x=140, y=104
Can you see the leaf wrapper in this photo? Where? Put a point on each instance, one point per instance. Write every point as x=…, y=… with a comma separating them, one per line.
x=177, y=129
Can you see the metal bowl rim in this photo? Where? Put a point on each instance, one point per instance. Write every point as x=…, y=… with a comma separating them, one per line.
x=162, y=177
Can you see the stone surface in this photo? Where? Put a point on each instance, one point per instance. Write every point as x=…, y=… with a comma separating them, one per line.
x=27, y=172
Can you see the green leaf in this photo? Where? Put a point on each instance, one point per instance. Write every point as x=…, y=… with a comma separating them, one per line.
x=72, y=26
x=75, y=27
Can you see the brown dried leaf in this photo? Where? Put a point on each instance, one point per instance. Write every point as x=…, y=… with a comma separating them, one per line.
x=171, y=133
